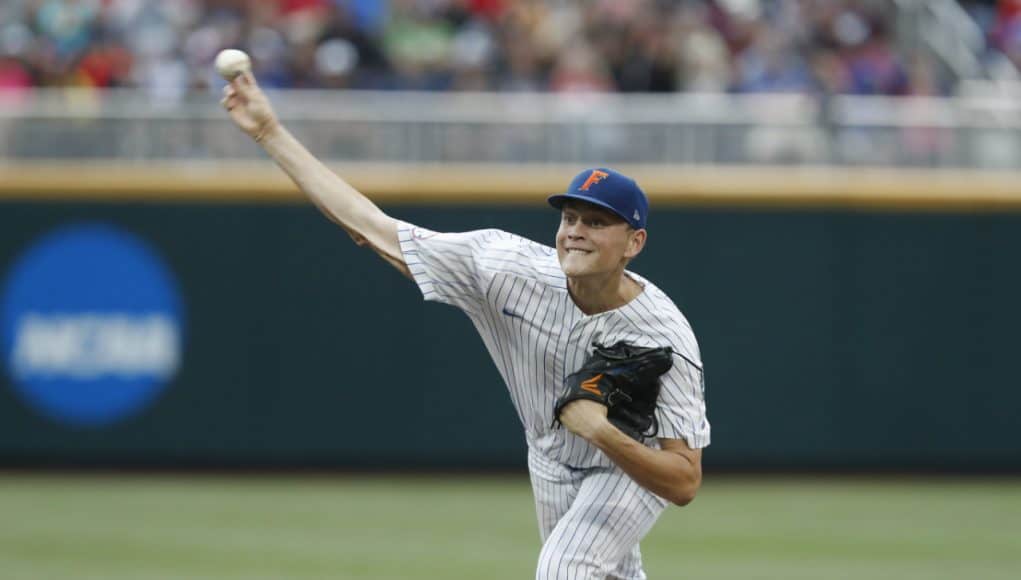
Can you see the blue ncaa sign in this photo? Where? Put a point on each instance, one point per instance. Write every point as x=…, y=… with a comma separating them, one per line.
x=91, y=325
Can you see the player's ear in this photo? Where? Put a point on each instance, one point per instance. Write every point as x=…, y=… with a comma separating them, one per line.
x=635, y=243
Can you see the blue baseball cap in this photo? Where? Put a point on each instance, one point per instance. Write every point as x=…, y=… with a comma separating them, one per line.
x=608, y=189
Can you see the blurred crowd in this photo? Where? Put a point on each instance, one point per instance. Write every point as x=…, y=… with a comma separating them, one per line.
x=807, y=46
x=1000, y=20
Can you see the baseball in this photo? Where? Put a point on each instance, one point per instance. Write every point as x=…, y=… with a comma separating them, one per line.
x=232, y=62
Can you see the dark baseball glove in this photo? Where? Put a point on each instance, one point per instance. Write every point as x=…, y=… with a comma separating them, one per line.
x=625, y=378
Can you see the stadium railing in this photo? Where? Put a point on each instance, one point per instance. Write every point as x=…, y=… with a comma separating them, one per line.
x=972, y=132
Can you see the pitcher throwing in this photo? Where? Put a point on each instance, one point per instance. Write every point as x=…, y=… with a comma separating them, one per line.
x=564, y=326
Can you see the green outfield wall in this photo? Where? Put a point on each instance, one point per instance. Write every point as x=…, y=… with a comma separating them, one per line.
x=832, y=339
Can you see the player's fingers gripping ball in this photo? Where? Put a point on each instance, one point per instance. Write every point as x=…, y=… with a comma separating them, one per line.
x=625, y=378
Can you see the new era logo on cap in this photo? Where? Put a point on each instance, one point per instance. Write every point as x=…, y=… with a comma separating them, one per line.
x=608, y=189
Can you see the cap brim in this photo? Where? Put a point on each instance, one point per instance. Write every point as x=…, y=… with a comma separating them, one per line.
x=557, y=201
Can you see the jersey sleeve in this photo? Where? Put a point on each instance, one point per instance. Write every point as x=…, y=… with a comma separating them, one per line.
x=447, y=266
x=681, y=411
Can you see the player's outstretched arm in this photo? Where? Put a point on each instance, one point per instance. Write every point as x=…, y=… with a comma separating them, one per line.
x=364, y=221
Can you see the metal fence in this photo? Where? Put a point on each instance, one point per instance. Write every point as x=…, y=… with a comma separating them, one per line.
x=680, y=129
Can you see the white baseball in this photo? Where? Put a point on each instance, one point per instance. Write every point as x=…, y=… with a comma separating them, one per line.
x=232, y=62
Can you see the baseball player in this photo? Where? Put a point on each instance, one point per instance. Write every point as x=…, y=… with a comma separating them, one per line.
x=539, y=310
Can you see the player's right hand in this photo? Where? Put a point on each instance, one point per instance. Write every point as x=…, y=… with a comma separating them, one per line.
x=248, y=106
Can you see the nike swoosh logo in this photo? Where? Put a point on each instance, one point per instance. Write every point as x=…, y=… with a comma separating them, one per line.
x=510, y=313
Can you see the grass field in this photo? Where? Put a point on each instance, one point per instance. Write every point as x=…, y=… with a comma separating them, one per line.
x=147, y=527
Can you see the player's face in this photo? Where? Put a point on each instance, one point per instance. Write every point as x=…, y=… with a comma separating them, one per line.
x=592, y=241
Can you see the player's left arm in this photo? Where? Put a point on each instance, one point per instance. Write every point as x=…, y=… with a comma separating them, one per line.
x=673, y=472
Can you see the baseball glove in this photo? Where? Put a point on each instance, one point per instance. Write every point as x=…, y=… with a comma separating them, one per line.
x=625, y=378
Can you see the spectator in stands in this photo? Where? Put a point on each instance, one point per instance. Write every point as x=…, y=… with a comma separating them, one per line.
x=539, y=45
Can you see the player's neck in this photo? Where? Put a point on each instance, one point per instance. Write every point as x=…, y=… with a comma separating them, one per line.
x=593, y=295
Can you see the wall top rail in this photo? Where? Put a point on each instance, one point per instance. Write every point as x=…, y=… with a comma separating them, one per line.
x=474, y=184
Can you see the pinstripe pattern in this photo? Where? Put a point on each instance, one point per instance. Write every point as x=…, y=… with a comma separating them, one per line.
x=590, y=520
x=515, y=294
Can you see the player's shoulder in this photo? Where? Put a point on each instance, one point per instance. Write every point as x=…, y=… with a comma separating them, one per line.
x=422, y=234
x=486, y=238
x=494, y=251
x=511, y=254
x=656, y=316
x=503, y=240
x=480, y=241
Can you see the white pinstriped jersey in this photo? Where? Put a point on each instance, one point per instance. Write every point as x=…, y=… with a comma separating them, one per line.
x=516, y=295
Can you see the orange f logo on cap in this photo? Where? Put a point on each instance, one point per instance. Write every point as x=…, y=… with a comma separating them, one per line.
x=593, y=179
